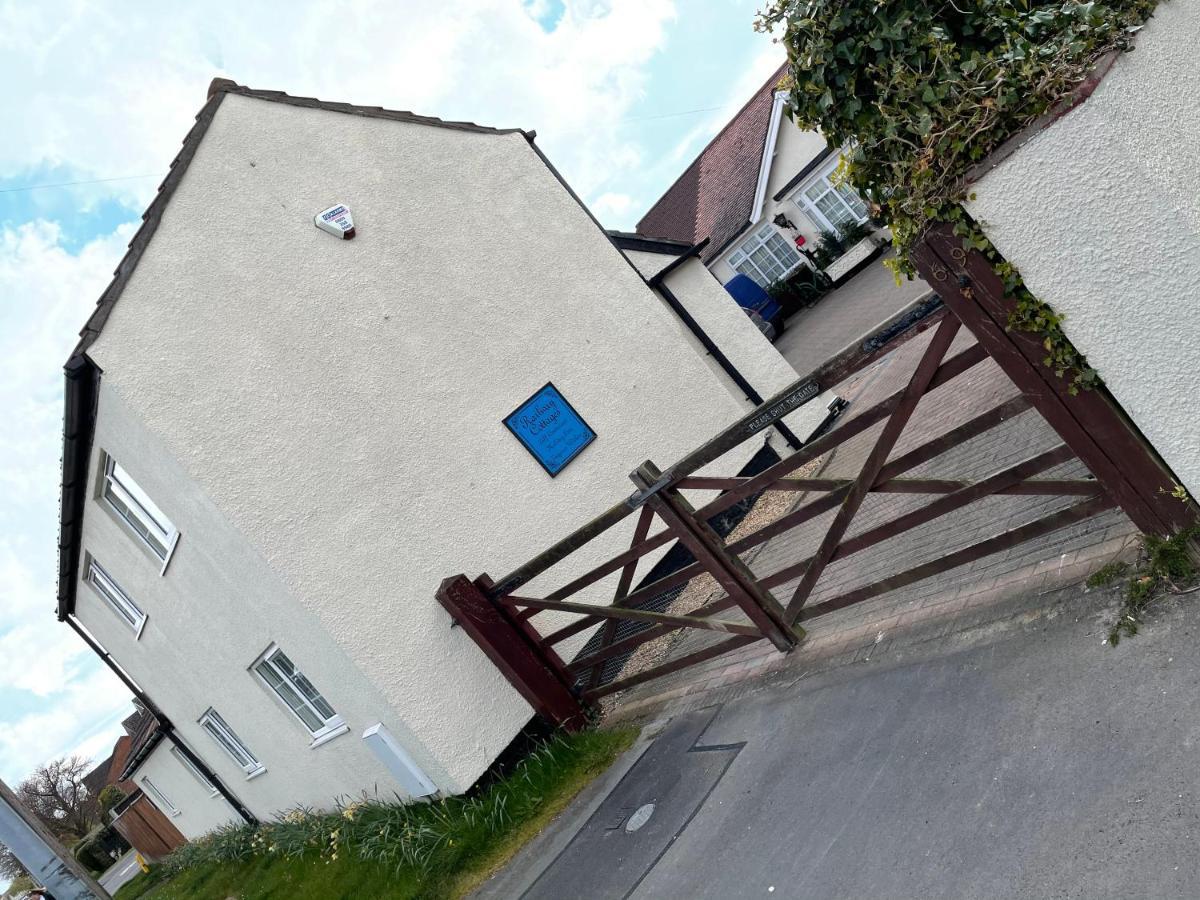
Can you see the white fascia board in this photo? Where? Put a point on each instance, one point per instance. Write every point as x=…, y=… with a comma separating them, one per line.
x=768, y=157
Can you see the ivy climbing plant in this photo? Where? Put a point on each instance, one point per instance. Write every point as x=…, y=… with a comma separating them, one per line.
x=918, y=91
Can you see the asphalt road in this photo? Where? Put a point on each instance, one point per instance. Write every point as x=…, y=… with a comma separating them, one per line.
x=1029, y=761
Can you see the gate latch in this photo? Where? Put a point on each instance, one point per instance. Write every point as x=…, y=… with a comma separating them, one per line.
x=640, y=496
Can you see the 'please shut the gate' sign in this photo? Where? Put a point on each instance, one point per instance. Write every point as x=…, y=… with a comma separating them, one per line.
x=550, y=429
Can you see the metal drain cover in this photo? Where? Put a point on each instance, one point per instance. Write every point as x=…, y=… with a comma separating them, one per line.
x=640, y=817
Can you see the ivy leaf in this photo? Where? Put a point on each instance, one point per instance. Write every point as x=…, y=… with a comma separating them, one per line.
x=881, y=76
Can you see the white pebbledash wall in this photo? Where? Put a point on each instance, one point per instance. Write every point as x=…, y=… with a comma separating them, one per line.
x=210, y=615
x=322, y=420
x=1101, y=213
x=794, y=149
x=738, y=338
x=197, y=809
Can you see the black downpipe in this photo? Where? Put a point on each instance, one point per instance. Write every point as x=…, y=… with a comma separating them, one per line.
x=722, y=360
x=656, y=282
x=164, y=723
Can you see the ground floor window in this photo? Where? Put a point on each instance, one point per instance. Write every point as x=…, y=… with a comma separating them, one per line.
x=298, y=694
x=193, y=771
x=833, y=207
x=228, y=741
x=159, y=797
x=766, y=256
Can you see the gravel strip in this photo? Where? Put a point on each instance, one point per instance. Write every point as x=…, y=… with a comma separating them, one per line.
x=703, y=589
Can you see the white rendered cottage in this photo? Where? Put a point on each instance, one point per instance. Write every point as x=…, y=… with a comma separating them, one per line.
x=278, y=442
x=761, y=193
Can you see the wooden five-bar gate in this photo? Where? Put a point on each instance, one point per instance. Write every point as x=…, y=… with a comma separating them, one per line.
x=1126, y=474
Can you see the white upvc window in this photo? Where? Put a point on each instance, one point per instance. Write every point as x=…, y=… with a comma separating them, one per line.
x=159, y=797
x=194, y=772
x=766, y=256
x=112, y=594
x=833, y=207
x=304, y=701
x=228, y=741
x=138, y=511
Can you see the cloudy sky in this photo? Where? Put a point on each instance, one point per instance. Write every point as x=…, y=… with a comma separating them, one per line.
x=622, y=93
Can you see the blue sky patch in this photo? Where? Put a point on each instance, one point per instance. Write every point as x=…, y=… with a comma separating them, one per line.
x=83, y=211
x=547, y=13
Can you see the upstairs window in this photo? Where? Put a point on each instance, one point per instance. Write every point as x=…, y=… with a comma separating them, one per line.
x=299, y=695
x=138, y=511
x=228, y=741
x=766, y=256
x=110, y=592
x=834, y=207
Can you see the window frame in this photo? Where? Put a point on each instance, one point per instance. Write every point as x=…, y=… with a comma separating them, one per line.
x=333, y=725
x=760, y=239
x=195, y=772
x=155, y=793
x=117, y=483
x=114, y=596
x=809, y=207
x=227, y=740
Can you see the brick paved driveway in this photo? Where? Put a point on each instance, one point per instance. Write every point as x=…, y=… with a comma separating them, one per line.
x=815, y=334
x=1036, y=566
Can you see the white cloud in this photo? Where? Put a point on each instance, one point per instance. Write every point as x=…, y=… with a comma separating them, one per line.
x=741, y=89
x=48, y=293
x=147, y=67
x=615, y=210
x=54, y=694
x=96, y=699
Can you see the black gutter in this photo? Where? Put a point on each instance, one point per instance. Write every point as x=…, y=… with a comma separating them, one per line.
x=795, y=180
x=143, y=752
x=745, y=226
x=164, y=727
x=79, y=418
x=626, y=241
x=657, y=283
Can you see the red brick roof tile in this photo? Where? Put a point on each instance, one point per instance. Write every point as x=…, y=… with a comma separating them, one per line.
x=714, y=196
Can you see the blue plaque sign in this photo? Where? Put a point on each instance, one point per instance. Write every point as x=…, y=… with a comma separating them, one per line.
x=550, y=429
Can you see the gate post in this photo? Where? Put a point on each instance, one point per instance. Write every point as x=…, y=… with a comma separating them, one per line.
x=710, y=551
x=1090, y=422
x=511, y=652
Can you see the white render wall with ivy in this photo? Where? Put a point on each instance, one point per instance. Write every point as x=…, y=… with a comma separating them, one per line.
x=1100, y=212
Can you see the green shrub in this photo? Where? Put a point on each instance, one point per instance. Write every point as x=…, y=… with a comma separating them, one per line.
x=1163, y=566
x=108, y=798
x=434, y=837
x=922, y=91
x=95, y=850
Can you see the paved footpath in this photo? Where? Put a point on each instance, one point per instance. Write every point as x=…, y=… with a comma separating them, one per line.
x=1018, y=759
x=120, y=873
x=870, y=297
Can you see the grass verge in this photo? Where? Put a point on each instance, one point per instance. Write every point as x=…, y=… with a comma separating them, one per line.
x=387, y=850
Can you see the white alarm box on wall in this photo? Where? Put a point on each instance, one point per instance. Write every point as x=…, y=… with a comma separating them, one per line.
x=398, y=761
